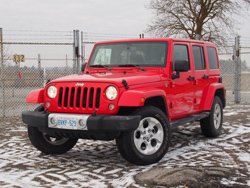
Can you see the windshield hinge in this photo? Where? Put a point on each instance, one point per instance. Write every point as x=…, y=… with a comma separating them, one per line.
x=124, y=82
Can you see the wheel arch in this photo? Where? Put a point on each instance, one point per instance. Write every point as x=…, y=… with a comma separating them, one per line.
x=220, y=94
x=35, y=96
x=158, y=102
x=215, y=89
x=138, y=97
x=144, y=97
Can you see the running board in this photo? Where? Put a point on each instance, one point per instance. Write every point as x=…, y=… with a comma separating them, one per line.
x=189, y=119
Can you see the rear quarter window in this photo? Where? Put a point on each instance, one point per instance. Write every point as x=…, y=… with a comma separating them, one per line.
x=212, y=58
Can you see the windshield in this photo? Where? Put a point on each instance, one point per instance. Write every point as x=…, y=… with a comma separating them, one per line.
x=144, y=54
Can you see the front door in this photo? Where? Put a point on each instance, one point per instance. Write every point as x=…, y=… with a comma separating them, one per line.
x=182, y=89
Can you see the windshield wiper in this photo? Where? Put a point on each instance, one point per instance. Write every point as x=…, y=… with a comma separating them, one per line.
x=102, y=66
x=132, y=65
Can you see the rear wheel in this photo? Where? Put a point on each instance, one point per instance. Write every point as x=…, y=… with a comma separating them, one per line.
x=48, y=144
x=150, y=141
x=212, y=125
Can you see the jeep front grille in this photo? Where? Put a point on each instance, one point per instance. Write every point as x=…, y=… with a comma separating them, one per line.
x=79, y=97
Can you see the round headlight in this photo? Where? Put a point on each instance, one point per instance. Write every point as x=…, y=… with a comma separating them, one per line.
x=52, y=91
x=111, y=93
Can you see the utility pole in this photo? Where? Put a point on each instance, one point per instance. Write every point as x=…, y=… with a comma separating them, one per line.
x=237, y=67
x=197, y=37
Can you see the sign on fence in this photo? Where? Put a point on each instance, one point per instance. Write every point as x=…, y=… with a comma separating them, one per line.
x=18, y=58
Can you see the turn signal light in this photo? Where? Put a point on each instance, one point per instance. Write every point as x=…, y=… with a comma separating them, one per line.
x=142, y=100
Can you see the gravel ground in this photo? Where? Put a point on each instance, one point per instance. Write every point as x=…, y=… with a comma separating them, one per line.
x=192, y=160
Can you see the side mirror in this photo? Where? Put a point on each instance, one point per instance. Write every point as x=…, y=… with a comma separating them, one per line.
x=180, y=66
x=83, y=67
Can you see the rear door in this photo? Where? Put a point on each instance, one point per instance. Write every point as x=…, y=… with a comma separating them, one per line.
x=201, y=80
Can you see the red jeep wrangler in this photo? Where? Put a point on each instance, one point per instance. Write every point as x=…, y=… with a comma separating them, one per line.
x=133, y=91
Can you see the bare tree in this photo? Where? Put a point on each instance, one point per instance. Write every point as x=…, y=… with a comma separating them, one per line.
x=213, y=20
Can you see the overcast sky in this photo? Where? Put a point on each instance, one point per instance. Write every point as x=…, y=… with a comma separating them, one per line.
x=97, y=16
x=109, y=16
x=112, y=16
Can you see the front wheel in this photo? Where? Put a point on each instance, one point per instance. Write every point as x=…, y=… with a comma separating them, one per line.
x=48, y=144
x=150, y=141
x=212, y=125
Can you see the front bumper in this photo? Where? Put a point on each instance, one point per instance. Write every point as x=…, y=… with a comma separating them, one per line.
x=101, y=127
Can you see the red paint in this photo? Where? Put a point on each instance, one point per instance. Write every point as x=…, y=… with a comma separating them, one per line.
x=19, y=74
x=35, y=96
x=181, y=96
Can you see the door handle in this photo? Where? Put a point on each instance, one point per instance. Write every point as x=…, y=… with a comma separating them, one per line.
x=205, y=77
x=191, y=78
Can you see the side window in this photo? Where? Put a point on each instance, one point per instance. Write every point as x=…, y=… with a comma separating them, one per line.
x=212, y=58
x=180, y=53
x=198, y=54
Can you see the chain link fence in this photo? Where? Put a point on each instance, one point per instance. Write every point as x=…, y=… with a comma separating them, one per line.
x=47, y=55
x=53, y=54
x=235, y=70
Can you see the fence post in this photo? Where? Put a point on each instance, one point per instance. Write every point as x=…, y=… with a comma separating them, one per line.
x=18, y=82
x=66, y=62
x=1, y=73
x=82, y=48
x=44, y=77
x=78, y=69
x=74, y=52
x=237, y=73
x=40, y=72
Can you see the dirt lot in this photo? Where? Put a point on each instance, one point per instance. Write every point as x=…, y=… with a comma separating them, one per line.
x=192, y=160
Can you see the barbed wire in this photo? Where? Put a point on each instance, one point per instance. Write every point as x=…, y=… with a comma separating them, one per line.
x=37, y=43
x=31, y=35
x=42, y=59
x=38, y=31
x=15, y=39
x=92, y=33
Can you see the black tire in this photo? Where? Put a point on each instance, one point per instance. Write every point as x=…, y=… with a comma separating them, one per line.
x=48, y=144
x=212, y=125
x=150, y=142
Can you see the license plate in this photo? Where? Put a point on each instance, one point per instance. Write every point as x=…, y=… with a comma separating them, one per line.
x=67, y=123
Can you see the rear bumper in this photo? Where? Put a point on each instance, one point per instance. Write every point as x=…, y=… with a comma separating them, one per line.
x=95, y=124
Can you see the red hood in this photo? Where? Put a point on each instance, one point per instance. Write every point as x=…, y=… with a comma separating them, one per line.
x=113, y=77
